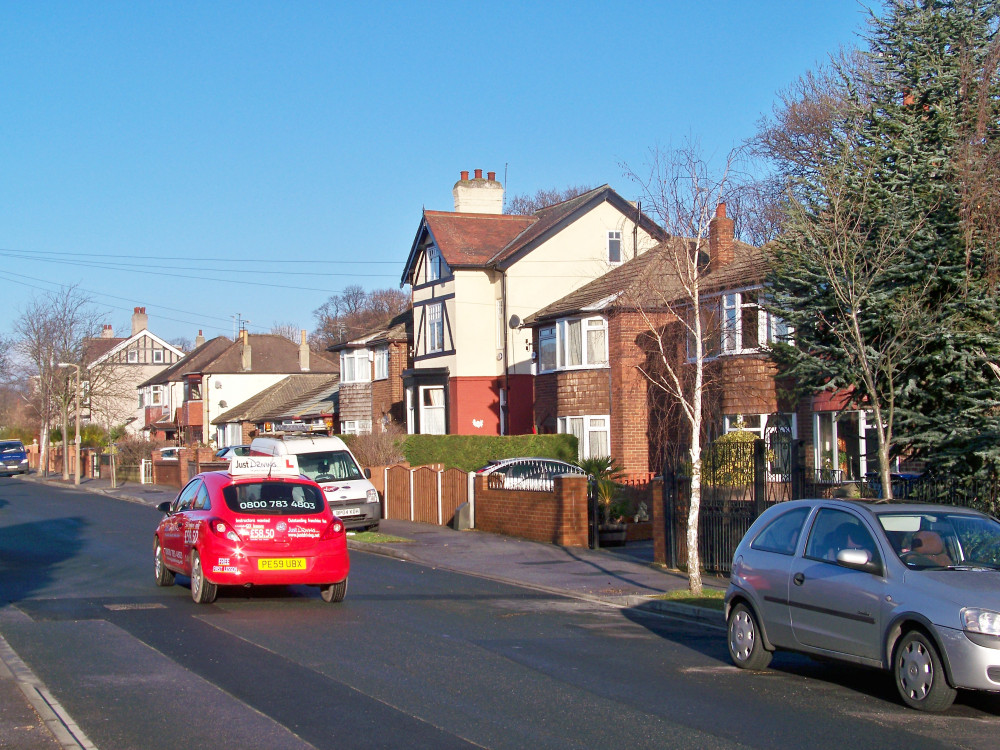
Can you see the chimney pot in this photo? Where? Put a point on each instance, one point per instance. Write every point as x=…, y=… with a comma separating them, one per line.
x=720, y=211
x=491, y=175
x=479, y=174
x=464, y=175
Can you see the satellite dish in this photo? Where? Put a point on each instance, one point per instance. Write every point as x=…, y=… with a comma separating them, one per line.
x=514, y=321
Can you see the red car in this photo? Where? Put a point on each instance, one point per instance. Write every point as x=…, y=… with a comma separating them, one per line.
x=261, y=523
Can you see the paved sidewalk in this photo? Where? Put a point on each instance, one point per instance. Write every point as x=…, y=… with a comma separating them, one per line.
x=621, y=576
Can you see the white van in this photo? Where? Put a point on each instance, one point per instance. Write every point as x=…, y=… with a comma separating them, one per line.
x=329, y=463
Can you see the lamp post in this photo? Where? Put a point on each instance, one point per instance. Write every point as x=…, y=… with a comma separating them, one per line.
x=76, y=470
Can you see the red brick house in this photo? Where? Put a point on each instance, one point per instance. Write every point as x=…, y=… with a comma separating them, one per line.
x=593, y=345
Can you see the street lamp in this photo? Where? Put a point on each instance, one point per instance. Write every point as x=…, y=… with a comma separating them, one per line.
x=76, y=471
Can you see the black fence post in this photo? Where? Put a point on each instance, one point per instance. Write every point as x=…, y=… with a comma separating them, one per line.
x=798, y=470
x=669, y=498
x=759, y=475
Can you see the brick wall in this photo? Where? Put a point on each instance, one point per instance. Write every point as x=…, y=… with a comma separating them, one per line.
x=557, y=517
x=747, y=385
x=387, y=395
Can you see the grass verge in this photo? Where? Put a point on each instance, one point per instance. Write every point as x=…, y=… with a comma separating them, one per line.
x=709, y=598
x=375, y=537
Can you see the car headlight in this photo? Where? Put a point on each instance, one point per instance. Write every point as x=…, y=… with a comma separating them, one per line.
x=372, y=496
x=984, y=621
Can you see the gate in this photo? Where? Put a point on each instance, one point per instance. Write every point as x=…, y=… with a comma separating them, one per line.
x=740, y=478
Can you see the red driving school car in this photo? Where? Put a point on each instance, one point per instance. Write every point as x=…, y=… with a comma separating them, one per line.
x=261, y=522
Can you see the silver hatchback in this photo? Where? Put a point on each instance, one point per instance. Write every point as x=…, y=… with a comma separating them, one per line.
x=912, y=588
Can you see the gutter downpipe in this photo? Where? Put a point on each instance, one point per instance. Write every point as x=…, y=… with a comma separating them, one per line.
x=505, y=406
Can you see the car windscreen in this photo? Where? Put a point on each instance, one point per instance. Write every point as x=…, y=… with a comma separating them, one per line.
x=274, y=498
x=327, y=466
x=11, y=446
x=941, y=539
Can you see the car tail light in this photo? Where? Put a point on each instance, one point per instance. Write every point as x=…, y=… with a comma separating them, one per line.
x=336, y=528
x=221, y=528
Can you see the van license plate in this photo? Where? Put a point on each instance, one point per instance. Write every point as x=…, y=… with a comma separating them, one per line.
x=344, y=512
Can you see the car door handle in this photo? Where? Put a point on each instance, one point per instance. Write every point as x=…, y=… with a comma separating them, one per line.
x=798, y=579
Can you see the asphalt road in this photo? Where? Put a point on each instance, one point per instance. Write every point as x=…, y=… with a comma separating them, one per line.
x=414, y=657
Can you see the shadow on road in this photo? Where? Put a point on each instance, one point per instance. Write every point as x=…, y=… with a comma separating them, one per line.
x=29, y=552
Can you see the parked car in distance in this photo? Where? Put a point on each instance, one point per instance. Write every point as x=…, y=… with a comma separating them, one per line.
x=224, y=454
x=911, y=588
x=170, y=453
x=529, y=473
x=259, y=523
x=13, y=458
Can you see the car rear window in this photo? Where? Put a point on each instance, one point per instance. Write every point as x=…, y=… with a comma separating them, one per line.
x=274, y=498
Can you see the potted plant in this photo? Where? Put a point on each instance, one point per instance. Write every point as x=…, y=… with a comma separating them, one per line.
x=604, y=473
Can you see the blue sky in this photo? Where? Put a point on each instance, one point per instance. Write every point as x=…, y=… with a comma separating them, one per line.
x=205, y=160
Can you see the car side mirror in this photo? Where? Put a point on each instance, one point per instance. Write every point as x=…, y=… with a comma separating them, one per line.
x=368, y=473
x=858, y=559
x=164, y=507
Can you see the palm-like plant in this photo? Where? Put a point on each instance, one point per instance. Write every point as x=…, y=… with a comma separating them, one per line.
x=605, y=473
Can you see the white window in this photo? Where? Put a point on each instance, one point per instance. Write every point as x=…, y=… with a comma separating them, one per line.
x=354, y=366
x=592, y=434
x=547, y=348
x=435, y=328
x=356, y=427
x=156, y=395
x=381, y=363
x=573, y=343
x=432, y=410
x=434, y=263
x=133, y=356
x=157, y=356
x=614, y=247
x=735, y=323
x=845, y=445
x=778, y=430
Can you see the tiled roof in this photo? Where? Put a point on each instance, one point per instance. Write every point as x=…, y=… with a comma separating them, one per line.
x=193, y=362
x=279, y=398
x=269, y=353
x=487, y=240
x=399, y=328
x=95, y=348
x=651, y=281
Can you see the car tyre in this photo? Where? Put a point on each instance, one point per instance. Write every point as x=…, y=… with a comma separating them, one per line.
x=202, y=590
x=334, y=592
x=164, y=576
x=919, y=674
x=746, y=647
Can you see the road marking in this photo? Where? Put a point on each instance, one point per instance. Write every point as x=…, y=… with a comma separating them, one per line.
x=133, y=606
x=56, y=719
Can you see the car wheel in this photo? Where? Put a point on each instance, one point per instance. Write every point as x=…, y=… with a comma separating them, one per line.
x=164, y=576
x=333, y=592
x=202, y=591
x=745, y=646
x=373, y=528
x=919, y=674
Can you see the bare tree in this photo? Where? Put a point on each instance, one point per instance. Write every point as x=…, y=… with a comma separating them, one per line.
x=51, y=330
x=525, y=204
x=289, y=330
x=669, y=297
x=354, y=313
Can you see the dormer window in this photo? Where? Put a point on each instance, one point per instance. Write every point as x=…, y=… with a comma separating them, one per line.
x=434, y=263
x=614, y=246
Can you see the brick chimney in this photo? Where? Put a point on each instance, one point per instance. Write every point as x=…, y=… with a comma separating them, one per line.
x=107, y=332
x=480, y=195
x=304, y=354
x=140, y=321
x=721, y=239
x=245, y=360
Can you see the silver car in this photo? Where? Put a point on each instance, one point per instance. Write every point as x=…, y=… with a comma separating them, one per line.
x=912, y=588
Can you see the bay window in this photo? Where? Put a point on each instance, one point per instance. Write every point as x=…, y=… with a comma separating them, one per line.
x=592, y=434
x=573, y=343
x=354, y=366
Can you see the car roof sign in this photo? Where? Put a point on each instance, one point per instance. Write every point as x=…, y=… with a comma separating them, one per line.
x=264, y=466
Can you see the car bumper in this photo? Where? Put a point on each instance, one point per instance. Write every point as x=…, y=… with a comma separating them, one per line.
x=322, y=564
x=357, y=515
x=970, y=664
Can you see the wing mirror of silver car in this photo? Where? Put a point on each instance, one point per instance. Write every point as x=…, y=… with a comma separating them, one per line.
x=859, y=559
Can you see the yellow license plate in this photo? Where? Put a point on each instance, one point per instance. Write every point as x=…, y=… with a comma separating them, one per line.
x=281, y=563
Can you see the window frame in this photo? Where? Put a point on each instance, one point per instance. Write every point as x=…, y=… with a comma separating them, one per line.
x=559, y=331
x=614, y=235
x=158, y=357
x=380, y=363
x=588, y=429
x=359, y=361
x=434, y=336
